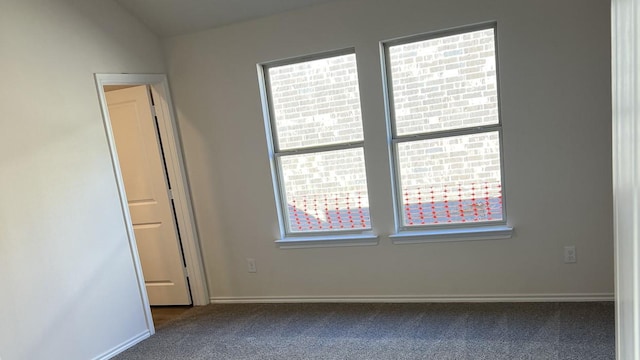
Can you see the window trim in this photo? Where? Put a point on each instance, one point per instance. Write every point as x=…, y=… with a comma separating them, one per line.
x=488, y=232
x=300, y=239
x=364, y=238
x=393, y=139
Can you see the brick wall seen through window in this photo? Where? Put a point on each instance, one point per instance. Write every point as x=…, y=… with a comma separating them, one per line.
x=446, y=126
x=318, y=143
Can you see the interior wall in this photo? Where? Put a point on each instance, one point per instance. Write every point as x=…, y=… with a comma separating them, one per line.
x=556, y=110
x=68, y=288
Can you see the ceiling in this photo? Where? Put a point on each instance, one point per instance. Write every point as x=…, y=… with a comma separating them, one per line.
x=177, y=17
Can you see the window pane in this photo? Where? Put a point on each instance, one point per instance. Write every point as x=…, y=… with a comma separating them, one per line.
x=451, y=180
x=316, y=102
x=326, y=191
x=444, y=83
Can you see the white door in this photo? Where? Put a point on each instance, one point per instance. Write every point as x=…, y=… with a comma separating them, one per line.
x=145, y=181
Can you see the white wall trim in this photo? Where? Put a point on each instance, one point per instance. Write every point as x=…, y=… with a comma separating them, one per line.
x=124, y=346
x=181, y=192
x=584, y=297
x=452, y=234
x=625, y=40
x=175, y=167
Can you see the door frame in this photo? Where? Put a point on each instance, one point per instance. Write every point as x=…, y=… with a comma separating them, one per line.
x=176, y=172
x=625, y=46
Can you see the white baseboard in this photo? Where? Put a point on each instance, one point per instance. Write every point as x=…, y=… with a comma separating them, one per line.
x=586, y=297
x=124, y=346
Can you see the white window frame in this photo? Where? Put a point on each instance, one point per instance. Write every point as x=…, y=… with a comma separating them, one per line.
x=289, y=238
x=440, y=232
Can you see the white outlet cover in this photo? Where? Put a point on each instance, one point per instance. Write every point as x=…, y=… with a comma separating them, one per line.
x=251, y=265
x=570, y=254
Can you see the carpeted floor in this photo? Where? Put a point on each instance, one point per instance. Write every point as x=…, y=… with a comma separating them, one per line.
x=583, y=331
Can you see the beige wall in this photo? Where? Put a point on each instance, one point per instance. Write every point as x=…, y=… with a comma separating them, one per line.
x=555, y=89
x=68, y=288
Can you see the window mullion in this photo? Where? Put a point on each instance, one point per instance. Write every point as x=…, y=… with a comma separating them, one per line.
x=319, y=149
x=448, y=133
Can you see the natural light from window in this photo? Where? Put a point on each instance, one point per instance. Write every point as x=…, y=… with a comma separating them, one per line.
x=318, y=144
x=446, y=129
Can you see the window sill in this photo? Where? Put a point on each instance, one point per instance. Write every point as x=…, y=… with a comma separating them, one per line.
x=459, y=234
x=324, y=241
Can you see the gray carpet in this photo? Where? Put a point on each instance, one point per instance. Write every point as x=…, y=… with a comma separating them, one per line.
x=583, y=331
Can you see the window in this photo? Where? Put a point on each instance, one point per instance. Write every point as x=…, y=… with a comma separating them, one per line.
x=445, y=141
x=317, y=143
x=445, y=129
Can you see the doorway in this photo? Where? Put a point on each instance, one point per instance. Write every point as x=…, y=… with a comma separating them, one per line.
x=173, y=178
x=148, y=190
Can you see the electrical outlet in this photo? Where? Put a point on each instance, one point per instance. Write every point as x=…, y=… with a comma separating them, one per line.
x=251, y=265
x=570, y=254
